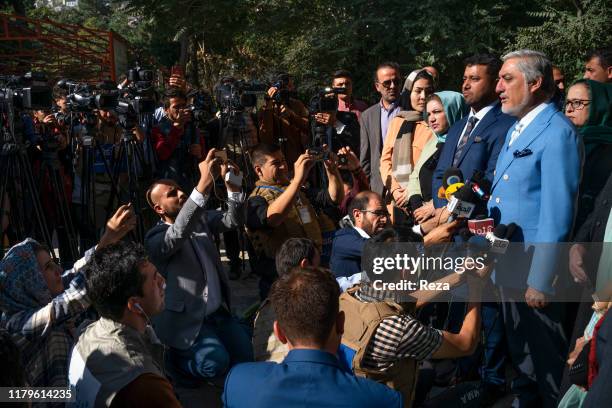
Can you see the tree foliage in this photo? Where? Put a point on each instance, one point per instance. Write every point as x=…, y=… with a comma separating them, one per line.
x=311, y=38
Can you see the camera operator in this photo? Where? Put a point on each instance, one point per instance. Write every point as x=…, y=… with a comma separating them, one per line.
x=176, y=140
x=45, y=134
x=344, y=125
x=279, y=208
x=284, y=119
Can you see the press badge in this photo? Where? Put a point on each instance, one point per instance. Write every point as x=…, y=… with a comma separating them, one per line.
x=305, y=215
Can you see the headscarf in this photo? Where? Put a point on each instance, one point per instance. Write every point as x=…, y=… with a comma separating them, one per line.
x=22, y=285
x=598, y=128
x=409, y=84
x=455, y=109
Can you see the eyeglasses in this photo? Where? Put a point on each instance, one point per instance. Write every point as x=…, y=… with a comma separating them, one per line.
x=378, y=213
x=577, y=104
x=387, y=84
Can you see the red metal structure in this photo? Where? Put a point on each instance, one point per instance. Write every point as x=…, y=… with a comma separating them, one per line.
x=60, y=50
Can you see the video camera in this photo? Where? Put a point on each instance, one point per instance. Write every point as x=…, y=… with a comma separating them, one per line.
x=238, y=95
x=325, y=100
x=29, y=91
x=140, y=97
x=85, y=98
x=202, y=108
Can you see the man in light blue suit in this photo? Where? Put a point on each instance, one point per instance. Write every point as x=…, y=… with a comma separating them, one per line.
x=535, y=186
x=309, y=321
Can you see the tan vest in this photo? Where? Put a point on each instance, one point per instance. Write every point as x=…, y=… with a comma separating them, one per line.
x=268, y=241
x=361, y=321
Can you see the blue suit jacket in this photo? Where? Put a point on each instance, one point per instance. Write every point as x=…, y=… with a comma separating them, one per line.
x=481, y=151
x=306, y=378
x=346, y=252
x=537, y=190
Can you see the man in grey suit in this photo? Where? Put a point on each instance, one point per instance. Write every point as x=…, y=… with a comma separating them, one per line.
x=375, y=119
x=203, y=337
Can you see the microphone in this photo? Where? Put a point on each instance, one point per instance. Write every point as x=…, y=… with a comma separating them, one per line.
x=415, y=201
x=452, y=175
x=452, y=189
x=461, y=204
x=499, y=244
x=477, y=245
x=481, y=226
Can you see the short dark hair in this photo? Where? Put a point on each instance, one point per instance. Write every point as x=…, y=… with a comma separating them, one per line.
x=359, y=202
x=172, y=93
x=386, y=64
x=603, y=54
x=260, y=151
x=59, y=93
x=342, y=73
x=306, y=304
x=292, y=252
x=166, y=182
x=492, y=62
x=113, y=276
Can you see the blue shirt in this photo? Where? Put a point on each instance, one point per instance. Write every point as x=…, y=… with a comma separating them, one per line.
x=386, y=116
x=306, y=378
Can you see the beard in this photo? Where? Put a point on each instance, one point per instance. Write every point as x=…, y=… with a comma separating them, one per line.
x=517, y=109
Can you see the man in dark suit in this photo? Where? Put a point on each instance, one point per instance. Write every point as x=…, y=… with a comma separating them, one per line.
x=308, y=320
x=375, y=119
x=369, y=216
x=474, y=142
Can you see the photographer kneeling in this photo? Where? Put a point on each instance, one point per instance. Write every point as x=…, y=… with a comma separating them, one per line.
x=41, y=306
x=384, y=341
x=203, y=337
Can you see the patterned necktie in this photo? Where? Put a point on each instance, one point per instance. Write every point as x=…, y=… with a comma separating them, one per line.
x=515, y=133
x=464, y=139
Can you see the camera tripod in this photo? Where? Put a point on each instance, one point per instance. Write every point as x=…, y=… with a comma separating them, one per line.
x=130, y=160
x=19, y=190
x=234, y=134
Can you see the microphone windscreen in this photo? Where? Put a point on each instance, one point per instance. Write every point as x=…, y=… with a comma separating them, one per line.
x=452, y=189
x=465, y=193
x=415, y=201
x=510, y=230
x=500, y=231
x=452, y=175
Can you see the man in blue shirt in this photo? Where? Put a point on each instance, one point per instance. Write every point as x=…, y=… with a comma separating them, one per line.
x=308, y=320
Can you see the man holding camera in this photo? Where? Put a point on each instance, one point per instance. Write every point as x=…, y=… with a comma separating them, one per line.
x=284, y=119
x=203, y=337
x=279, y=209
x=344, y=123
x=176, y=140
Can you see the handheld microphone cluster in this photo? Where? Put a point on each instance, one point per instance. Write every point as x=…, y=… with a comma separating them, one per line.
x=496, y=241
x=465, y=199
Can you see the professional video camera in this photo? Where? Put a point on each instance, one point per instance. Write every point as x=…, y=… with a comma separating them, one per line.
x=238, y=95
x=282, y=95
x=140, y=96
x=325, y=100
x=29, y=91
x=202, y=107
x=85, y=98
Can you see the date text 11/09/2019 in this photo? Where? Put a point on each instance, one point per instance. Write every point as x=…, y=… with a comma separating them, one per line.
x=410, y=285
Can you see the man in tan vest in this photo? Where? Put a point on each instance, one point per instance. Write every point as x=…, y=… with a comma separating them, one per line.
x=279, y=208
x=383, y=340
